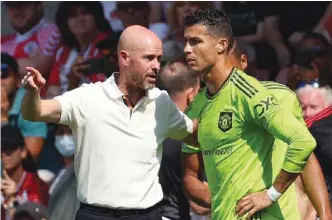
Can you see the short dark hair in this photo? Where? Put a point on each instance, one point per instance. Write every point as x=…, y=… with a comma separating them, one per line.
x=176, y=77
x=216, y=22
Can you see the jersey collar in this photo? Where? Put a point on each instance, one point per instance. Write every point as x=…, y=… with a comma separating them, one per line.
x=22, y=37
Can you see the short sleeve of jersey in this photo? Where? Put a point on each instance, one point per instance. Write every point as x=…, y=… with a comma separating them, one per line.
x=191, y=113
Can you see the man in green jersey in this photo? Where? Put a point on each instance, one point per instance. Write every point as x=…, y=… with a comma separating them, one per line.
x=312, y=176
x=239, y=121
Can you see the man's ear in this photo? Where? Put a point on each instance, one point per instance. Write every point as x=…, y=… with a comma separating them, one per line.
x=244, y=61
x=190, y=95
x=222, y=45
x=124, y=57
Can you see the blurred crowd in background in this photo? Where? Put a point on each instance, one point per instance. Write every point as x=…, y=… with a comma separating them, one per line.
x=286, y=42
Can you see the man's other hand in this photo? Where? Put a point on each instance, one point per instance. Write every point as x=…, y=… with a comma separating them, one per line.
x=253, y=203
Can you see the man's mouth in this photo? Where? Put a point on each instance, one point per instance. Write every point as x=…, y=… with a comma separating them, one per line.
x=152, y=77
x=190, y=60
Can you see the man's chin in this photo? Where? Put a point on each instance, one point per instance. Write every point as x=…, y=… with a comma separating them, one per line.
x=195, y=68
x=149, y=86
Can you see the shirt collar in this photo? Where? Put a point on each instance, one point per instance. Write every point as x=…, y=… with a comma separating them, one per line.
x=26, y=35
x=116, y=93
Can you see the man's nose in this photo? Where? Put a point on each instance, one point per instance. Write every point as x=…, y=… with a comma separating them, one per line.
x=156, y=65
x=187, y=49
x=306, y=113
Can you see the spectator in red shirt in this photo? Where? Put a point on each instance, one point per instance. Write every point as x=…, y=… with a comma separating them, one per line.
x=17, y=185
x=82, y=26
x=32, y=31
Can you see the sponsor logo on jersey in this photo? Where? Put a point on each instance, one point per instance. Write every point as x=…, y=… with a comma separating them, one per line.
x=221, y=151
x=264, y=105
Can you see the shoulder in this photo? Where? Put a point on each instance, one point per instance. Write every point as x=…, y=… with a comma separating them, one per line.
x=319, y=116
x=7, y=38
x=84, y=93
x=274, y=86
x=158, y=95
x=247, y=86
x=46, y=31
x=200, y=97
x=194, y=108
x=32, y=179
x=323, y=123
x=48, y=28
x=322, y=128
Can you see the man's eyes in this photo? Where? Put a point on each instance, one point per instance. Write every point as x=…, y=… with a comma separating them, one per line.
x=149, y=57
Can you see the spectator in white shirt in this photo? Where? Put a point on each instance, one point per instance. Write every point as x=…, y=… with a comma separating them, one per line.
x=118, y=126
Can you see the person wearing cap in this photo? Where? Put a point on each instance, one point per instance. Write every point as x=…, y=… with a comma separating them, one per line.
x=17, y=185
x=31, y=211
x=34, y=133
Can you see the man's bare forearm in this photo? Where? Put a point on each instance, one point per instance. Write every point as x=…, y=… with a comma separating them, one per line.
x=197, y=191
x=31, y=105
x=199, y=210
x=284, y=180
x=193, y=170
x=315, y=187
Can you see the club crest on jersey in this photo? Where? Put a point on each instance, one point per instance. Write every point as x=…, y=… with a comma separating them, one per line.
x=225, y=121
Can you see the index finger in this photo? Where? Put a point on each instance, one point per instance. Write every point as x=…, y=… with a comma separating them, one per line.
x=33, y=71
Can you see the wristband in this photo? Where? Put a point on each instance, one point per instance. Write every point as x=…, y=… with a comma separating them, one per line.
x=273, y=194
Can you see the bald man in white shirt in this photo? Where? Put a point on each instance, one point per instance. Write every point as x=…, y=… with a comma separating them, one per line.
x=119, y=126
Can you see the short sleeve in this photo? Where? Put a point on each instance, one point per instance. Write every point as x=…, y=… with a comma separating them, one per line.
x=190, y=149
x=180, y=126
x=72, y=106
x=191, y=113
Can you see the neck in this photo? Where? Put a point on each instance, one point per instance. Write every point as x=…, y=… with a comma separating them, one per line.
x=84, y=41
x=134, y=93
x=180, y=101
x=27, y=29
x=218, y=74
x=16, y=174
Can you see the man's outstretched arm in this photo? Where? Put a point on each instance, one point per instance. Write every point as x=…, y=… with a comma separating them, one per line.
x=33, y=108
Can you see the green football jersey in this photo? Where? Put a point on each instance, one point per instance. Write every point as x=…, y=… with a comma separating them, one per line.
x=237, y=132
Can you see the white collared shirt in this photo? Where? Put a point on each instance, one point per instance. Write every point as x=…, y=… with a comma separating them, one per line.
x=118, y=150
